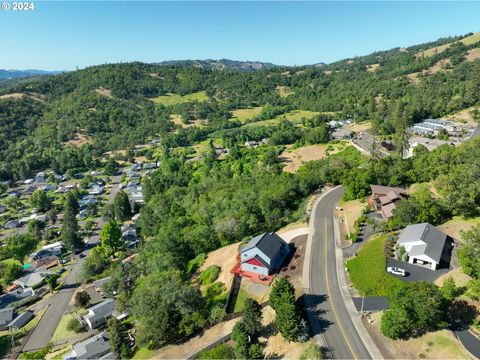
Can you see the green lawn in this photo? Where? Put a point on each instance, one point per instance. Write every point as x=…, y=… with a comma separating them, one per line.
x=143, y=354
x=240, y=303
x=294, y=116
x=367, y=270
x=174, y=99
x=61, y=333
x=243, y=115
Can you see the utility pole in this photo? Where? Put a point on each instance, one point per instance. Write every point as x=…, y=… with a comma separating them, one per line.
x=363, y=301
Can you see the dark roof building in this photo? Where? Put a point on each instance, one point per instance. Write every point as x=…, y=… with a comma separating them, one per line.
x=264, y=254
x=21, y=320
x=6, y=316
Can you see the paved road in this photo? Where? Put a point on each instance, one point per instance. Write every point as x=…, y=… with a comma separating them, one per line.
x=58, y=304
x=364, y=141
x=333, y=320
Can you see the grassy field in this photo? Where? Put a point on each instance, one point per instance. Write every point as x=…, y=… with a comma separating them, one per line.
x=294, y=116
x=469, y=40
x=174, y=99
x=143, y=354
x=61, y=333
x=367, y=270
x=243, y=115
x=454, y=226
x=240, y=303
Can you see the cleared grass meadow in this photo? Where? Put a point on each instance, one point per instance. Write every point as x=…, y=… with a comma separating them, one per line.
x=243, y=115
x=174, y=99
x=294, y=116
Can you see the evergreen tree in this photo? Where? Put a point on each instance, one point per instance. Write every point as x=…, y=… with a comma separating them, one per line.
x=117, y=332
x=288, y=321
x=70, y=229
x=282, y=291
x=121, y=206
x=252, y=317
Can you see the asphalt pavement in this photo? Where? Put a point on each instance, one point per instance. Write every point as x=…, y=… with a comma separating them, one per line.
x=331, y=319
x=58, y=304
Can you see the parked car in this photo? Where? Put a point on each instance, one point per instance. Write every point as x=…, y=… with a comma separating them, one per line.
x=396, y=271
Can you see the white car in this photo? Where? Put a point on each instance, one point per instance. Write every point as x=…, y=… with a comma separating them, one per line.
x=396, y=271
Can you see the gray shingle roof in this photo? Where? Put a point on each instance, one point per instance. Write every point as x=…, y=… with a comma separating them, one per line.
x=102, y=310
x=6, y=315
x=268, y=243
x=94, y=347
x=21, y=319
x=433, y=238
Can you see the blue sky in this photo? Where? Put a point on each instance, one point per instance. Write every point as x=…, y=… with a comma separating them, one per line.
x=62, y=35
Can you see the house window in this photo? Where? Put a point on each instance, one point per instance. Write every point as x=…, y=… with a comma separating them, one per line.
x=254, y=268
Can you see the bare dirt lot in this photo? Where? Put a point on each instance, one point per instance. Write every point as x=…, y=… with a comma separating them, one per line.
x=351, y=211
x=295, y=158
x=104, y=92
x=224, y=257
x=463, y=116
x=372, y=67
x=473, y=54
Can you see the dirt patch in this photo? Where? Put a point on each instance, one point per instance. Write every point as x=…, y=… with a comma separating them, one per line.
x=436, y=345
x=104, y=92
x=33, y=96
x=79, y=139
x=295, y=158
x=457, y=275
x=359, y=127
x=441, y=65
x=371, y=68
x=473, y=54
x=464, y=116
x=224, y=257
x=454, y=227
x=351, y=211
x=191, y=347
x=276, y=347
x=12, y=96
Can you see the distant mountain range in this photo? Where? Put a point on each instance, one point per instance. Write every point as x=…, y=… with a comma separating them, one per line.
x=223, y=64
x=17, y=74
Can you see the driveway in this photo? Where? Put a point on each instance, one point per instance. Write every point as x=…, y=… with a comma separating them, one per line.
x=415, y=272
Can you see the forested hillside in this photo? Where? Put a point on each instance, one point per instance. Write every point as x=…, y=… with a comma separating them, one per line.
x=116, y=105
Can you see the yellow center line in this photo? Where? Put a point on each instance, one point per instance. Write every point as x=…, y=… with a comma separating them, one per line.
x=330, y=296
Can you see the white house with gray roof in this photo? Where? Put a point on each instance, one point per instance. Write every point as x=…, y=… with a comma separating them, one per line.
x=99, y=314
x=92, y=348
x=264, y=254
x=425, y=245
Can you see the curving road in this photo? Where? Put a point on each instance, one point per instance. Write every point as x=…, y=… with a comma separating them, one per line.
x=328, y=315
